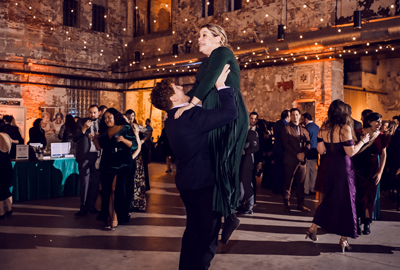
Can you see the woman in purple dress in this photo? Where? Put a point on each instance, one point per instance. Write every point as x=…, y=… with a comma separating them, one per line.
x=337, y=212
x=369, y=164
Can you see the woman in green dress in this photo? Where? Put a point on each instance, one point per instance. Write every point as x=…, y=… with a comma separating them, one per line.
x=226, y=142
x=118, y=142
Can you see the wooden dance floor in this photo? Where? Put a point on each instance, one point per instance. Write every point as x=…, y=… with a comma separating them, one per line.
x=45, y=234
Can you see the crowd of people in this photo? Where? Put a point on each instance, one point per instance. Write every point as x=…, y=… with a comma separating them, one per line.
x=220, y=151
x=112, y=155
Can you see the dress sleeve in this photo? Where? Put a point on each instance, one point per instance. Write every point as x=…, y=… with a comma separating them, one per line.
x=216, y=62
x=129, y=135
x=348, y=143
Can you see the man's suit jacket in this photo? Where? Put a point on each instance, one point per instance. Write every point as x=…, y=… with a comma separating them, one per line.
x=14, y=134
x=278, y=146
x=357, y=124
x=188, y=137
x=313, y=130
x=82, y=142
x=294, y=143
x=251, y=148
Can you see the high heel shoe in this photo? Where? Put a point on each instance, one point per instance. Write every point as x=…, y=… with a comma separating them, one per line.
x=113, y=226
x=9, y=213
x=312, y=234
x=344, y=244
x=168, y=171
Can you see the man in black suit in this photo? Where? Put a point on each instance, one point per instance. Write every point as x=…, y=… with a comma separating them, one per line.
x=296, y=141
x=188, y=137
x=279, y=169
x=13, y=132
x=86, y=155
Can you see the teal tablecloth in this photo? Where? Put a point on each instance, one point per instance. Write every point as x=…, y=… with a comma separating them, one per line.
x=45, y=179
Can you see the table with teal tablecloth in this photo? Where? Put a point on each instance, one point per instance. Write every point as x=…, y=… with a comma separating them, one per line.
x=45, y=179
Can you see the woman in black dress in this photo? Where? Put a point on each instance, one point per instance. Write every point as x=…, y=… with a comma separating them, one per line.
x=6, y=175
x=118, y=142
x=36, y=133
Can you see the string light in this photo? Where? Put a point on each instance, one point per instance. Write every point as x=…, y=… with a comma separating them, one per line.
x=126, y=45
x=305, y=57
x=392, y=49
x=366, y=52
x=321, y=19
x=226, y=19
x=339, y=30
x=266, y=15
x=277, y=49
x=368, y=44
x=301, y=36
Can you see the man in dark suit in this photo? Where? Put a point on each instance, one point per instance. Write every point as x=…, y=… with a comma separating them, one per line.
x=188, y=137
x=258, y=155
x=246, y=172
x=296, y=141
x=312, y=155
x=13, y=132
x=279, y=169
x=86, y=155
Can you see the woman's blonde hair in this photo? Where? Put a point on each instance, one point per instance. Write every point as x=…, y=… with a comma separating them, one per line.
x=218, y=31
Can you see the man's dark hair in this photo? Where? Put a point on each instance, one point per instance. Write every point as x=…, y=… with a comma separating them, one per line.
x=294, y=109
x=161, y=94
x=307, y=116
x=102, y=107
x=366, y=112
x=93, y=106
x=7, y=119
x=396, y=117
x=148, y=120
x=129, y=111
x=254, y=113
x=285, y=114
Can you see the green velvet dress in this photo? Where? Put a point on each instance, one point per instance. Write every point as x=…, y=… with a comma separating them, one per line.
x=116, y=160
x=226, y=142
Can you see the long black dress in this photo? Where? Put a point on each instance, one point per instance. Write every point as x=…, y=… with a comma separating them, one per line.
x=117, y=161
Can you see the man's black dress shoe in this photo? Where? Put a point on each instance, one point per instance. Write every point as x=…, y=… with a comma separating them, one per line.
x=81, y=213
x=287, y=209
x=94, y=211
x=230, y=225
x=9, y=213
x=367, y=229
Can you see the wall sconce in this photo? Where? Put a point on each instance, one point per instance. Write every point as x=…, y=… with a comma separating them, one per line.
x=357, y=19
x=137, y=57
x=175, y=50
x=281, y=32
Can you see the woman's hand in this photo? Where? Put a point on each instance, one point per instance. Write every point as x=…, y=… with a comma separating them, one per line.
x=120, y=139
x=365, y=138
x=179, y=112
x=377, y=178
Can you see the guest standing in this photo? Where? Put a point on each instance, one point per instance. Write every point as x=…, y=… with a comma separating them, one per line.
x=247, y=164
x=369, y=164
x=36, y=133
x=68, y=129
x=312, y=155
x=396, y=163
x=141, y=174
x=118, y=142
x=86, y=156
x=337, y=212
x=166, y=149
x=14, y=133
x=296, y=142
x=6, y=175
x=279, y=169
